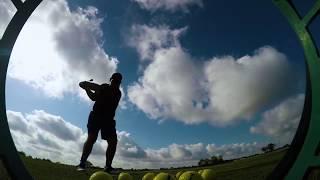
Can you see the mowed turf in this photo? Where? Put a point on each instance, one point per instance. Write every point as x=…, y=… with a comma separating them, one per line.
x=255, y=167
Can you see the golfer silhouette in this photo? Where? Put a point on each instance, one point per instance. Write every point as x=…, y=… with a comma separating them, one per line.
x=106, y=97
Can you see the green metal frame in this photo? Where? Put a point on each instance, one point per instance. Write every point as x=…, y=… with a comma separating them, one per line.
x=8, y=151
x=303, y=152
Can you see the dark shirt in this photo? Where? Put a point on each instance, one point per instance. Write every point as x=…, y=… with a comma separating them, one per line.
x=107, y=100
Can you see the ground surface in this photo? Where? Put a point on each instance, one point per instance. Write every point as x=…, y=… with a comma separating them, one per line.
x=255, y=167
x=4, y=175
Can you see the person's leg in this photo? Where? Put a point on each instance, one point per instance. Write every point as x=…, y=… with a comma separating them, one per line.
x=87, y=147
x=111, y=150
x=109, y=133
x=93, y=130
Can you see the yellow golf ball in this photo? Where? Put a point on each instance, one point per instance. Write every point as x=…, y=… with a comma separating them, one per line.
x=164, y=176
x=149, y=176
x=179, y=174
x=190, y=175
x=100, y=175
x=208, y=174
x=125, y=176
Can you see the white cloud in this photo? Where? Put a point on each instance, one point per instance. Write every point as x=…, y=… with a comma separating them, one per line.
x=236, y=150
x=55, y=125
x=7, y=10
x=35, y=134
x=238, y=88
x=169, y=86
x=45, y=135
x=128, y=148
x=17, y=122
x=123, y=101
x=58, y=48
x=220, y=91
x=177, y=155
x=169, y=5
x=281, y=122
x=37, y=139
x=149, y=39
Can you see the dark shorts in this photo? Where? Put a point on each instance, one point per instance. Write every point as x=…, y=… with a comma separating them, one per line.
x=98, y=122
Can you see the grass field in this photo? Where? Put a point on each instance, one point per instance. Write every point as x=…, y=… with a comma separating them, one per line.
x=254, y=167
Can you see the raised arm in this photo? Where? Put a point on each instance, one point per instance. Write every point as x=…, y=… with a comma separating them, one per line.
x=92, y=95
x=89, y=85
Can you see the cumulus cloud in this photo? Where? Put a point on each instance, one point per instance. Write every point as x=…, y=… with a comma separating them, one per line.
x=59, y=47
x=7, y=10
x=149, y=39
x=168, y=5
x=44, y=135
x=240, y=87
x=128, y=148
x=231, y=151
x=178, y=155
x=220, y=90
x=55, y=125
x=17, y=122
x=281, y=122
x=40, y=140
x=169, y=88
x=129, y=153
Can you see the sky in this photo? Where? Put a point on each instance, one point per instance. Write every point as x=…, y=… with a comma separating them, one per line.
x=200, y=78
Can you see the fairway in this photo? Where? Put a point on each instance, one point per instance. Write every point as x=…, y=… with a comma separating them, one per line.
x=253, y=167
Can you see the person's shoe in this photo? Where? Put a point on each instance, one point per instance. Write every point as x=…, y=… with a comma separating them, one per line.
x=81, y=167
x=110, y=170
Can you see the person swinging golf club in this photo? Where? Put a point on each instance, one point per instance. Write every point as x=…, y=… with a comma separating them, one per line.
x=106, y=97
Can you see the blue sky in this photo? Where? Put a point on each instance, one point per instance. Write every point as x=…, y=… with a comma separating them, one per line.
x=201, y=78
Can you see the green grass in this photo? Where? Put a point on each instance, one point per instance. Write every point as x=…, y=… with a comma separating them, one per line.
x=255, y=167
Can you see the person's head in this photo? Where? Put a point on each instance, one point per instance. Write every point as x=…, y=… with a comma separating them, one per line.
x=116, y=79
